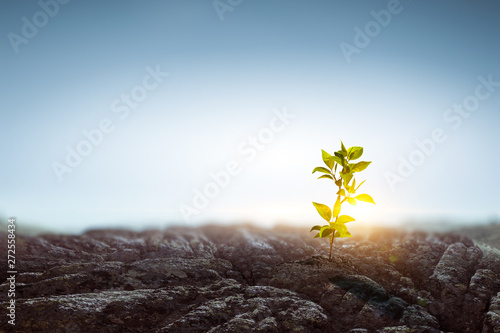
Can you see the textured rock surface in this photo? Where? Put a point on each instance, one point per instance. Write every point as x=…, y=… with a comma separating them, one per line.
x=227, y=279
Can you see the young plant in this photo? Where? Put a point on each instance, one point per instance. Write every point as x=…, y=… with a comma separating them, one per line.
x=346, y=183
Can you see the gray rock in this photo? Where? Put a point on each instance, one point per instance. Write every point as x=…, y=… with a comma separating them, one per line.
x=244, y=279
x=491, y=322
x=450, y=282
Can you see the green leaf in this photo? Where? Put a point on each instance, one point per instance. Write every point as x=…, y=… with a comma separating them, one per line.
x=324, y=211
x=341, y=192
x=345, y=219
x=351, y=189
x=352, y=201
x=365, y=198
x=354, y=153
x=321, y=169
x=325, y=232
x=326, y=176
x=317, y=235
x=339, y=154
x=327, y=158
x=341, y=227
x=344, y=151
x=339, y=182
x=360, y=166
x=337, y=159
x=344, y=234
x=347, y=178
x=316, y=227
x=360, y=184
x=336, y=208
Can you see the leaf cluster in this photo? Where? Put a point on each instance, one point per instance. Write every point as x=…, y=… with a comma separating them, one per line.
x=344, y=179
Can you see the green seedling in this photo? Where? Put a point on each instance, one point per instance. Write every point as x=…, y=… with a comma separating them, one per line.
x=346, y=183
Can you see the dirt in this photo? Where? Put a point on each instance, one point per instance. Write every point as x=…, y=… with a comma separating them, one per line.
x=245, y=279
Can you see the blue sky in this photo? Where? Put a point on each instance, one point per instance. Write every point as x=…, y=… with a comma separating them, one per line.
x=227, y=79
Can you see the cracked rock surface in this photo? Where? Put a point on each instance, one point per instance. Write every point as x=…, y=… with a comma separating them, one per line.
x=244, y=279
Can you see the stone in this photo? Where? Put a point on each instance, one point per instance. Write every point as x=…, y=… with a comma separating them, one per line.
x=246, y=279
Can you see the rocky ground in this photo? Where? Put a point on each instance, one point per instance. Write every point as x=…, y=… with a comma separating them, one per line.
x=243, y=279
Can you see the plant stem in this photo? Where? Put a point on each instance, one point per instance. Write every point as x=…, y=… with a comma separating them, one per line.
x=333, y=234
x=331, y=246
